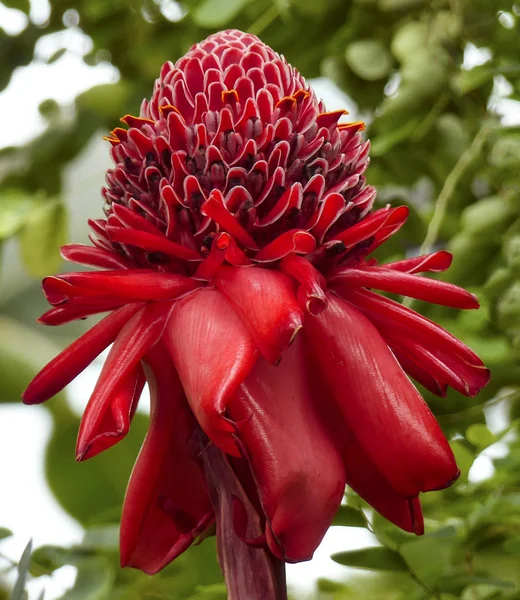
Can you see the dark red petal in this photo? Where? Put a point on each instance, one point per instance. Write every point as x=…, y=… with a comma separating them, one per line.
x=311, y=291
x=266, y=303
x=137, y=337
x=421, y=375
x=213, y=353
x=135, y=285
x=424, y=343
x=94, y=257
x=151, y=242
x=422, y=288
x=437, y=262
x=214, y=208
x=298, y=470
x=74, y=359
x=115, y=422
x=366, y=479
x=465, y=378
x=295, y=240
x=166, y=504
x=391, y=421
x=379, y=225
x=80, y=308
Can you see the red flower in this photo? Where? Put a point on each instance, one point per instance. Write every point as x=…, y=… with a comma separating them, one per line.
x=234, y=269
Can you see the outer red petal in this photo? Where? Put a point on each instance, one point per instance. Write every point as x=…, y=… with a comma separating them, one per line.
x=266, y=303
x=115, y=422
x=366, y=479
x=213, y=353
x=74, y=359
x=166, y=504
x=94, y=257
x=138, y=336
x=134, y=285
x=437, y=262
x=391, y=421
x=423, y=288
x=423, y=348
x=298, y=470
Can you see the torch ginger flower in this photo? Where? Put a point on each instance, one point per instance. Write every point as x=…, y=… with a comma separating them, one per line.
x=235, y=270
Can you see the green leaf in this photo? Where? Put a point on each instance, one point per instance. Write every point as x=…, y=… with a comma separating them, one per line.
x=511, y=251
x=17, y=365
x=431, y=555
x=464, y=458
x=23, y=5
x=215, y=591
x=56, y=56
x=93, y=581
x=91, y=491
x=5, y=533
x=480, y=436
x=487, y=218
x=329, y=586
x=18, y=592
x=217, y=13
x=382, y=559
x=45, y=231
x=467, y=81
x=369, y=59
x=389, y=5
x=455, y=584
x=15, y=206
x=348, y=516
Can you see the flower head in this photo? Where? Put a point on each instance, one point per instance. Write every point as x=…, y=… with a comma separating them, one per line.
x=236, y=271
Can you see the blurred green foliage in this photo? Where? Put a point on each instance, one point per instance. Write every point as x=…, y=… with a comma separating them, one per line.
x=438, y=146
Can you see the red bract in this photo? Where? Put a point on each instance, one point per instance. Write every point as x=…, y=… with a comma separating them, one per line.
x=234, y=264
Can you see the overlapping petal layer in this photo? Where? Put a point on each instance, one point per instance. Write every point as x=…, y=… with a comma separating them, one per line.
x=383, y=409
x=266, y=303
x=166, y=505
x=296, y=466
x=213, y=352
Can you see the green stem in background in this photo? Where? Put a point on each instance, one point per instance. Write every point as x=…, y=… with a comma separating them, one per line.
x=264, y=21
x=446, y=193
x=427, y=123
x=422, y=584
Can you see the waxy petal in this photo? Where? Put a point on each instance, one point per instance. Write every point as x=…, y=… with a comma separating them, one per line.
x=405, y=330
x=116, y=419
x=80, y=308
x=78, y=356
x=151, y=242
x=377, y=227
x=414, y=286
x=213, y=353
x=297, y=468
x=435, y=262
x=311, y=291
x=266, y=303
x=295, y=240
x=166, y=504
x=366, y=479
x=134, y=285
x=94, y=257
x=137, y=337
x=390, y=420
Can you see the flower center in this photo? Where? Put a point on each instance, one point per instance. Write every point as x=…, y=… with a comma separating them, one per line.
x=233, y=156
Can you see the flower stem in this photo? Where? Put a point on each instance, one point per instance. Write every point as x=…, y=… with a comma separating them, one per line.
x=250, y=570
